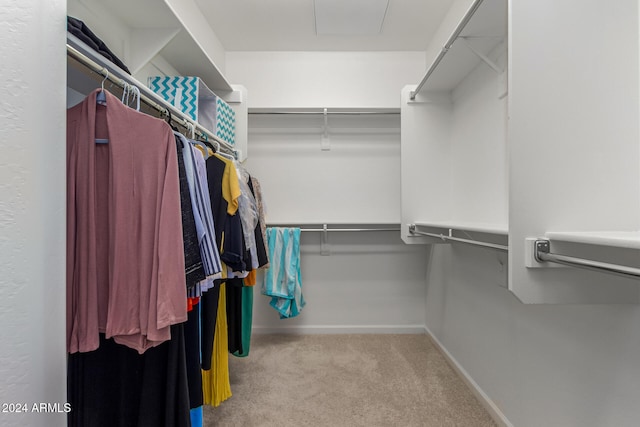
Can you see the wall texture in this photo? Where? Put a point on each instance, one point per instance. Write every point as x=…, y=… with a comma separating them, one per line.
x=32, y=209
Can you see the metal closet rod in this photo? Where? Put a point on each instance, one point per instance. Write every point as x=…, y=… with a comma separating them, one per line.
x=322, y=113
x=326, y=228
x=542, y=253
x=465, y=20
x=148, y=97
x=414, y=230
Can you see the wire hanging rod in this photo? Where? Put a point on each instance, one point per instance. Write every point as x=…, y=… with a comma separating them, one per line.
x=322, y=113
x=414, y=231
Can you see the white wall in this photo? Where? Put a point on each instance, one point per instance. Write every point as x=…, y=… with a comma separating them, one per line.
x=356, y=181
x=370, y=282
x=324, y=79
x=32, y=209
x=479, y=178
x=541, y=365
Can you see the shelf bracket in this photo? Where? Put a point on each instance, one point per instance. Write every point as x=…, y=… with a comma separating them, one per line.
x=146, y=43
x=325, y=249
x=325, y=142
x=481, y=55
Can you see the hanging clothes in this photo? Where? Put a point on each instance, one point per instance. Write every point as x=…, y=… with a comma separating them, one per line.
x=192, y=357
x=260, y=231
x=125, y=260
x=215, y=382
x=248, y=210
x=114, y=386
x=235, y=318
x=246, y=297
x=247, y=322
x=197, y=177
x=224, y=191
x=194, y=268
x=283, y=279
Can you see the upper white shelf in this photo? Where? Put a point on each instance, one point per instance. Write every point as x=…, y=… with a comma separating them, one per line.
x=467, y=226
x=485, y=31
x=156, y=29
x=618, y=239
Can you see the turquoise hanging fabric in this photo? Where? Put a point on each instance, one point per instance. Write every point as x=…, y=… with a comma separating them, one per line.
x=283, y=279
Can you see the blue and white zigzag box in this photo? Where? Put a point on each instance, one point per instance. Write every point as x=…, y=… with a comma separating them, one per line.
x=191, y=96
x=225, y=122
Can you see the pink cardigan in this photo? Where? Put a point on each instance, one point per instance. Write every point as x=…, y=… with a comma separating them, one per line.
x=125, y=260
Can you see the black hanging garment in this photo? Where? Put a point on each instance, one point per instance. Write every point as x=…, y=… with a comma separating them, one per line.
x=234, y=315
x=192, y=353
x=194, y=269
x=114, y=386
x=209, y=300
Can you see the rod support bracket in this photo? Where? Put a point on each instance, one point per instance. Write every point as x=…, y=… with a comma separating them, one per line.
x=541, y=246
x=325, y=248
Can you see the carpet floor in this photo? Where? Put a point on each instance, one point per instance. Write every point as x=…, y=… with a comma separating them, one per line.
x=345, y=380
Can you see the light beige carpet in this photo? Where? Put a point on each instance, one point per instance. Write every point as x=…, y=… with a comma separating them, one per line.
x=345, y=380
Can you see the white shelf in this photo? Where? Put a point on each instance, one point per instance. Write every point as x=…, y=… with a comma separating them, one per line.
x=182, y=51
x=618, y=239
x=485, y=31
x=467, y=226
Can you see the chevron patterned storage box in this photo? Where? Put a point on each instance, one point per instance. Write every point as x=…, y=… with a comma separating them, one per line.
x=225, y=127
x=191, y=96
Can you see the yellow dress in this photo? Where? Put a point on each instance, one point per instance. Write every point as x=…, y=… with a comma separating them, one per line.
x=215, y=383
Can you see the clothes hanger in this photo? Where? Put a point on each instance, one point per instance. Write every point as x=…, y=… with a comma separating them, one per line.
x=125, y=94
x=170, y=120
x=102, y=98
x=131, y=91
x=202, y=141
x=221, y=153
x=192, y=130
x=136, y=95
x=225, y=155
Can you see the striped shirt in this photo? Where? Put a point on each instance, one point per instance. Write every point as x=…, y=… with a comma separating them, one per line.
x=197, y=177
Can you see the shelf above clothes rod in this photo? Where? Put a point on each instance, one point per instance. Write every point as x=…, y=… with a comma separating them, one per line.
x=414, y=231
x=114, y=74
x=542, y=253
x=452, y=38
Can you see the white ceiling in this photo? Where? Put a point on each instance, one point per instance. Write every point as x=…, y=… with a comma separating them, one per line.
x=289, y=25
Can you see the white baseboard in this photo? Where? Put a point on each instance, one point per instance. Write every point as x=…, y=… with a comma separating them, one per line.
x=340, y=329
x=484, y=399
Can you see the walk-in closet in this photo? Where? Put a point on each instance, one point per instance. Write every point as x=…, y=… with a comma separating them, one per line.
x=320, y=212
